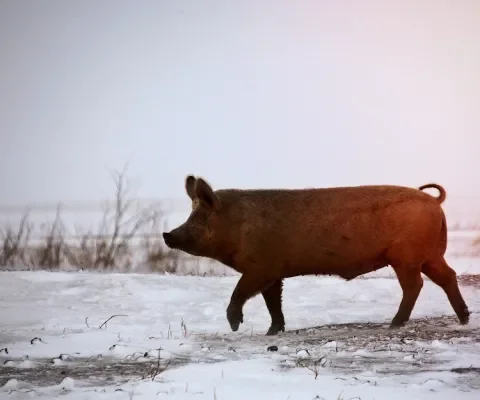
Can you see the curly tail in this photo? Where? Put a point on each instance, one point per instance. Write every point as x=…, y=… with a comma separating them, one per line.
x=443, y=194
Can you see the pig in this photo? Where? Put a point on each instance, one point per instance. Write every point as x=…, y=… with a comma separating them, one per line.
x=268, y=235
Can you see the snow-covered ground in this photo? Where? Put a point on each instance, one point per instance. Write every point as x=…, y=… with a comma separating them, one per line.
x=51, y=343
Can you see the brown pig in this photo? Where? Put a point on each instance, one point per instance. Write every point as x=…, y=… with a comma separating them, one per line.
x=270, y=235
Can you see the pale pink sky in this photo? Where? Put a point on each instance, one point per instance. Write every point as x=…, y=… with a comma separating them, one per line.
x=245, y=93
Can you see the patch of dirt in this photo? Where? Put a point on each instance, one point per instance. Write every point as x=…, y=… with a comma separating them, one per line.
x=363, y=335
x=433, y=345
x=469, y=280
x=424, y=345
x=92, y=371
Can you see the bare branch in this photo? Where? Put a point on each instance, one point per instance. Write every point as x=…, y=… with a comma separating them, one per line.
x=113, y=316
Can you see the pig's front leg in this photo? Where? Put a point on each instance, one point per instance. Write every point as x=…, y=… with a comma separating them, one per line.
x=248, y=286
x=273, y=300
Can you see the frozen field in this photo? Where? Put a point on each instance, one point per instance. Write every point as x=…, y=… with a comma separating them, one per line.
x=337, y=345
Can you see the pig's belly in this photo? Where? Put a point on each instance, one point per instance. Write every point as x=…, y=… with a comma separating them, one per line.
x=346, y=268
x=348, y=257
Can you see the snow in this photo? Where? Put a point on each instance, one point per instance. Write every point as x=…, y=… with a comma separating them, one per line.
x=51, y=343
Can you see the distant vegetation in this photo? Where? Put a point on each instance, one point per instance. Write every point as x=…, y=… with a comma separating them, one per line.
x=476, y=246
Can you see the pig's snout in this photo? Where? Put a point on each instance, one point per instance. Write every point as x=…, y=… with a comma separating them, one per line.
x=168, y=238
x=179, y=239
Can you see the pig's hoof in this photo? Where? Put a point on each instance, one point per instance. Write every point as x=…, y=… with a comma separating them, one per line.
x=274, y=329
x=235, y=318
x=397, y=324
x=464, y=319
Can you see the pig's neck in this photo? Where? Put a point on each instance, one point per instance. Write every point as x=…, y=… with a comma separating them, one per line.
x=225, y=254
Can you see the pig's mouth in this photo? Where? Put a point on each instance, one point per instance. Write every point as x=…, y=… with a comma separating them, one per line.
x=179, y=243
x=170, y=240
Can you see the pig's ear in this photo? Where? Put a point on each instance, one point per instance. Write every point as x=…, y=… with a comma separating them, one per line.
x=190, y=186
x=204, y=192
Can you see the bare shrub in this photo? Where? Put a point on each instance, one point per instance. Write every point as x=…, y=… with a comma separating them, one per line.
x=14, y=243
x=50, y=253
x=84, y=254
x=124, y=222
x=110, y=248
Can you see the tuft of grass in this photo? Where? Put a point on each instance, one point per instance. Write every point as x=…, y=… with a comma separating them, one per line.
x=157, y=369
x=313, y=366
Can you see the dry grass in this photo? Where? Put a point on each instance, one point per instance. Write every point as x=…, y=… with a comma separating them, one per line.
x=469, y=280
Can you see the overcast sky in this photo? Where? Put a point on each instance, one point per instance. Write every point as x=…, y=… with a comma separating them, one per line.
x=251, y=93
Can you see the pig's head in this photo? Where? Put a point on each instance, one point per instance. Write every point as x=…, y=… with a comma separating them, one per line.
x=205, y=229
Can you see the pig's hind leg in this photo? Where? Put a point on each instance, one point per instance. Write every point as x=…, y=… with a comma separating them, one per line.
x=273, y=300
x=410, y=279
x=445, y=277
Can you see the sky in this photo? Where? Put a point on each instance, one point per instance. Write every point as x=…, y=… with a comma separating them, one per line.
x=250, y=94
